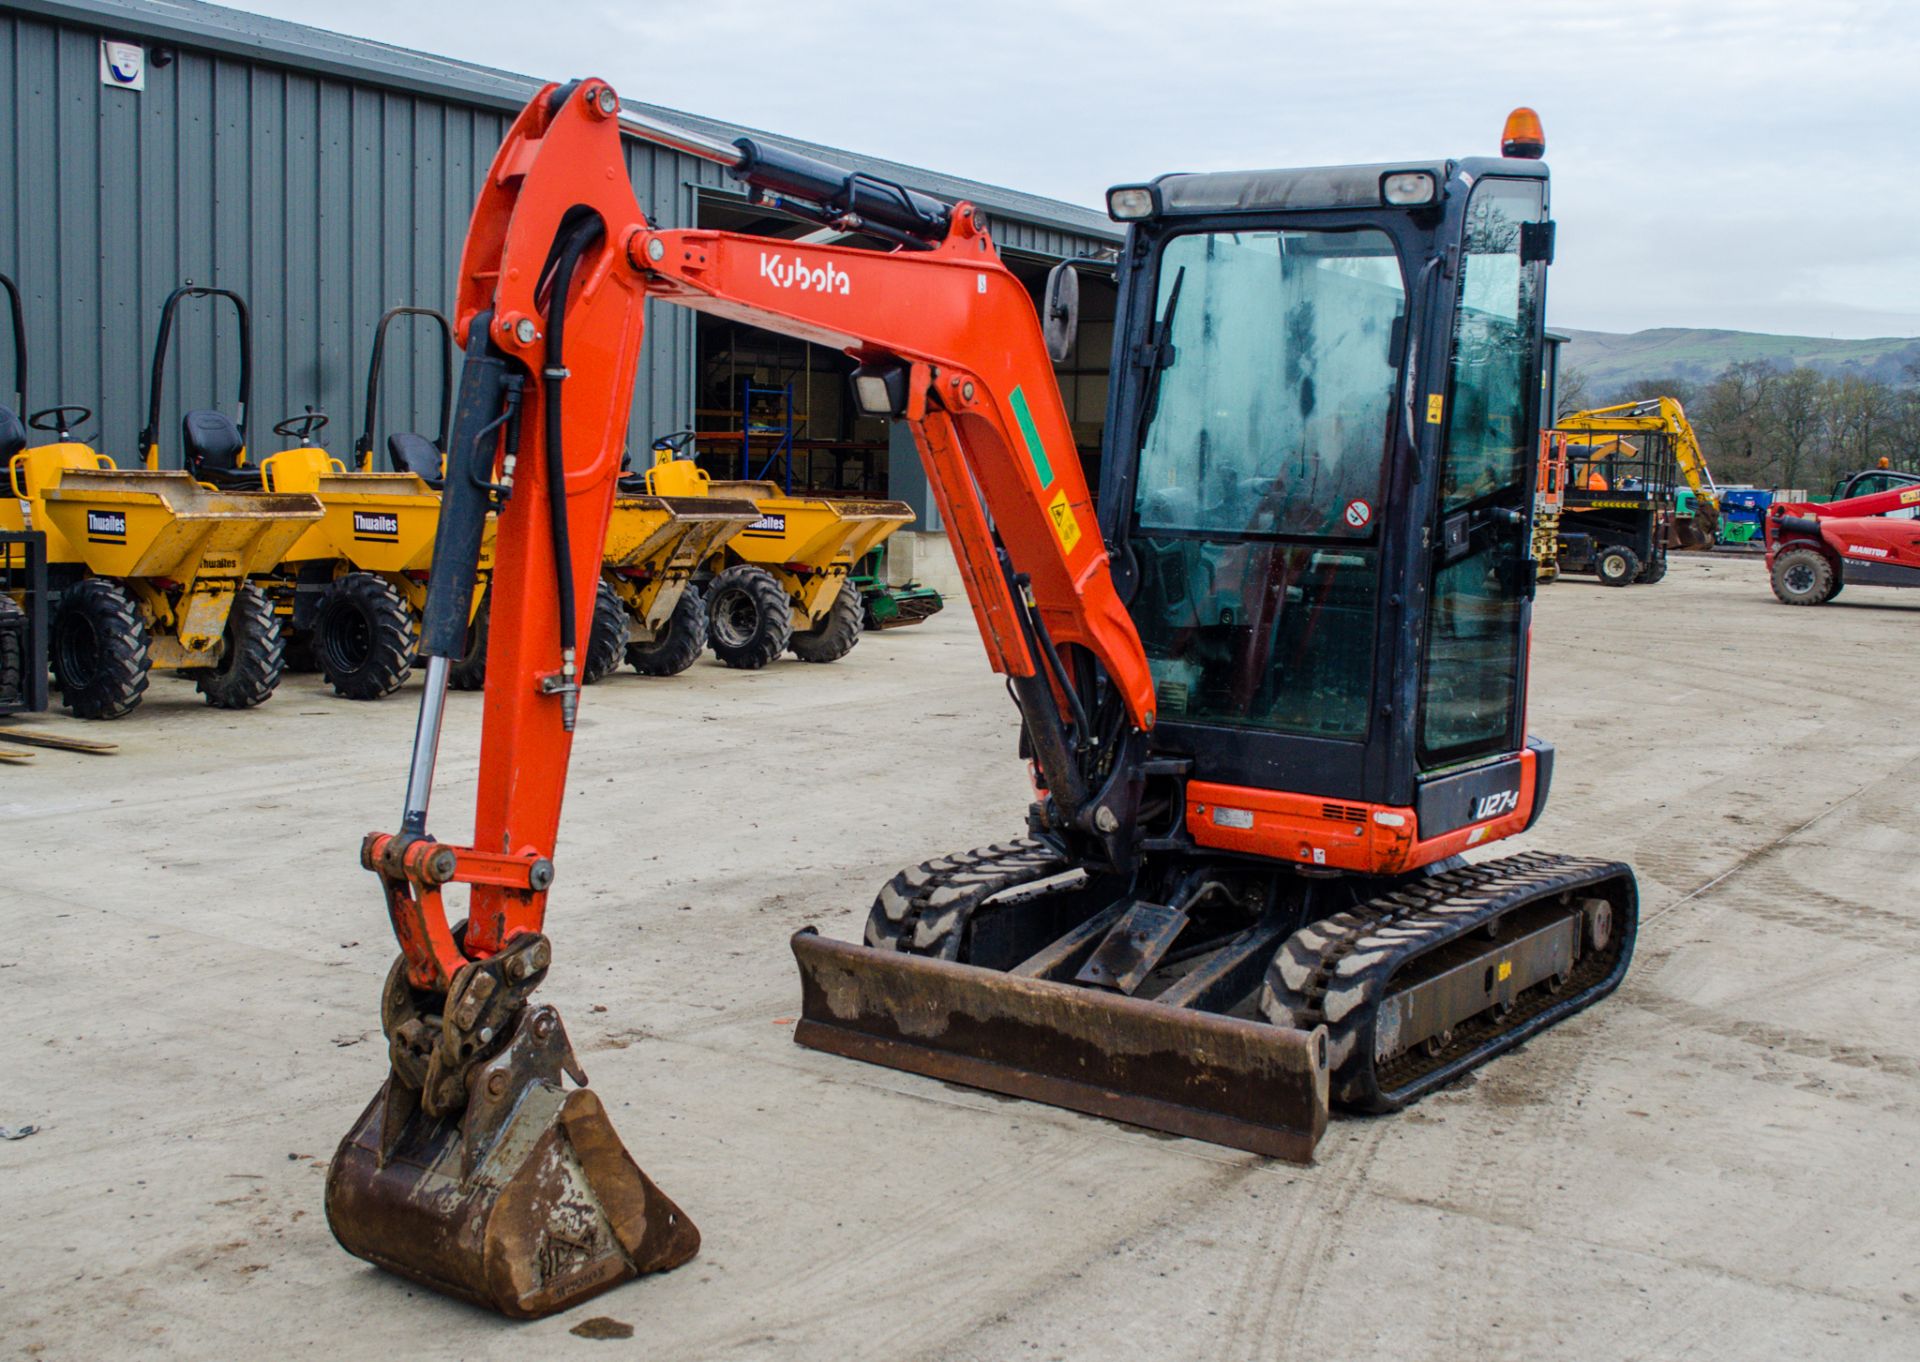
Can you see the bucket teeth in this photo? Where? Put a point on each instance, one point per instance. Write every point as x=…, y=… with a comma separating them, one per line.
x=525, y=1200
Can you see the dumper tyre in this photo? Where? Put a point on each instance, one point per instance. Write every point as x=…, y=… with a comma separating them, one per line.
x=363, y=632
x=469, y=670
x=1804, y=576
x=607, y=642
x=749, y=619
x=833, y=638
x=252, y=655
x=680, y=643
x=13, y=652
x=99, y=650
x=1616, y=565
x=1654, y=570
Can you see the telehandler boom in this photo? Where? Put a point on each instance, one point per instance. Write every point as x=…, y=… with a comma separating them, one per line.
x=1270, y=691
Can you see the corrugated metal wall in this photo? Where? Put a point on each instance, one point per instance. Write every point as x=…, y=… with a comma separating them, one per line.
x=322, y=201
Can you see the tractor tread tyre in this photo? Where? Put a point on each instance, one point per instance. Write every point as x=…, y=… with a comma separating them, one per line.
x=833, y=638
x=1628, y=565
x=681, y=643
x=13, y=652
x=1653, y=571
x=252, y=655
x=469, y=670
x=1804, y=576
x=607, y=642
x=749, y=618
x=363, y=633
x=99, y=650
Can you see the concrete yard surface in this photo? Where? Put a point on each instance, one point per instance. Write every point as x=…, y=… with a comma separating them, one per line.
x=1717, y=1162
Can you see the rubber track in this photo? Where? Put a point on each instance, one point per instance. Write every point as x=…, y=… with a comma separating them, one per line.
x=925, y=910
x=1336, y=971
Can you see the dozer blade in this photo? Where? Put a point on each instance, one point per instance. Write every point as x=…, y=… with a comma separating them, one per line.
x=1244, y=1084
x=525, y=1200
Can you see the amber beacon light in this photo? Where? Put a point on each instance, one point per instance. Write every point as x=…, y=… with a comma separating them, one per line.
x=1522, y=137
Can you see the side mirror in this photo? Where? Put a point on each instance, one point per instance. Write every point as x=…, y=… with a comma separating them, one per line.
x=1060, y=311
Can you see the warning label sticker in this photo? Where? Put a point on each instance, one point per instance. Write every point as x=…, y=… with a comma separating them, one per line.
x=1435, y=405
x=1358, y=514
x=1065, y=525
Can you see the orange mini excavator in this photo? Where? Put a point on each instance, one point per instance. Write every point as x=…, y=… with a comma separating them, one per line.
x=1272, y=688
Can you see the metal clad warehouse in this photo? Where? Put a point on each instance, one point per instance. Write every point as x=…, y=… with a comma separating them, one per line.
x=327, y=179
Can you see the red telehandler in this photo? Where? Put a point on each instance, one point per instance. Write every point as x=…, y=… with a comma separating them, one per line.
x=1271, y=690
x=1816, y=548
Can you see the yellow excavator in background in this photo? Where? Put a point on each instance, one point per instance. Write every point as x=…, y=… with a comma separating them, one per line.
x=1616, y=471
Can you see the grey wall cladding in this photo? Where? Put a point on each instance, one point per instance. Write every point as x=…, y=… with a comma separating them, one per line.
x=320, y=201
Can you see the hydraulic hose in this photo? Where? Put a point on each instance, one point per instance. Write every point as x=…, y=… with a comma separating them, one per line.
x=553, y=376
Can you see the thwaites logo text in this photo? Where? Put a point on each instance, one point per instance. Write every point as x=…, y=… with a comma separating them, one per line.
x=767, y=524
x=107, y=526
x=784, y=273
x=376, y=525
x=1493, y=805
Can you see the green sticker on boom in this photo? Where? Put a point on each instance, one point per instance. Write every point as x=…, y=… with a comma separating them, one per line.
x=1031, y=434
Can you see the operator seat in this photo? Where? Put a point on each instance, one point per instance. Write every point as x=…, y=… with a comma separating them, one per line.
x=415, y=454
x=212, y=445
x=13, y=435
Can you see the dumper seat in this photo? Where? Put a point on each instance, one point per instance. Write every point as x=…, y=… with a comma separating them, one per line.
x=213, y=445
x=415, y=454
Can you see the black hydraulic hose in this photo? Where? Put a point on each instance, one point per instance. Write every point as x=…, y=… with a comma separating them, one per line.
x=553, y=376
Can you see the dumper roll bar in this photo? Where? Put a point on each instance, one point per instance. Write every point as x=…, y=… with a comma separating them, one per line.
x=363, y=446
x=19, y=319
x=150, y=436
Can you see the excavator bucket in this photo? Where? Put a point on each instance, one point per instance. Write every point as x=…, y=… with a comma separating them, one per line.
x=1223, y=1079
x=524, y=1200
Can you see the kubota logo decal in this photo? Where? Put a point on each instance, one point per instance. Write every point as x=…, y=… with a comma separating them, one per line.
x=1493, y=805
x=784, y=273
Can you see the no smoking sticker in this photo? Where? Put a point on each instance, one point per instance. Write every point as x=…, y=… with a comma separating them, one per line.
x=1358, y=514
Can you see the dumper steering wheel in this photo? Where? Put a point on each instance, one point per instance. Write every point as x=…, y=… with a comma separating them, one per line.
x=302, y=427
x=55, y=419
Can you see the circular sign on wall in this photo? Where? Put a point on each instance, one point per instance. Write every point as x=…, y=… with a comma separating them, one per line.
x=1358, y=514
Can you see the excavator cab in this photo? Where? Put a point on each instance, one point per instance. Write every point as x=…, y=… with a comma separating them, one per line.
x=1326, y=405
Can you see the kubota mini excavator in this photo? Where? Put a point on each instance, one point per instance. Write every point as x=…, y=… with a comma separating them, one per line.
x=1270, y=693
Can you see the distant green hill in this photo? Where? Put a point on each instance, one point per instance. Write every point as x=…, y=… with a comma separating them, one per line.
x=1610, y=359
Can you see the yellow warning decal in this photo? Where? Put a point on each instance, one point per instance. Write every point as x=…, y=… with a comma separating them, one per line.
x=1506, y=970
x=1911, y=495
x=1434, y=404
x=1064, y=523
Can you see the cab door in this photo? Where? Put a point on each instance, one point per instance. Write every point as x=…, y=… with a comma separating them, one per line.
x=1473, y=685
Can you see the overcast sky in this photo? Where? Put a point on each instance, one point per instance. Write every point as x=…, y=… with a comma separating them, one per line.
x=1731, y=163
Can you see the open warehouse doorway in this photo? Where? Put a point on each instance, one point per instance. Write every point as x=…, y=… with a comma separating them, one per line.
x=771, y=407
